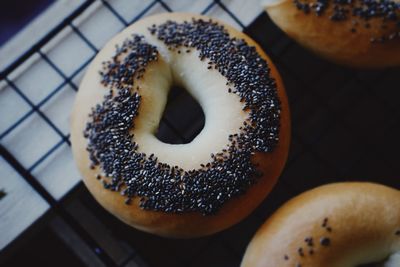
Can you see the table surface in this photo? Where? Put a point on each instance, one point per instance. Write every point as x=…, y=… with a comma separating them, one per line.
x=345, y=127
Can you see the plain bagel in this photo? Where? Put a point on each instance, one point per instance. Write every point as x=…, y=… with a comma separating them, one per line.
x=336, y=225
x=363, y=34
x=184, y=190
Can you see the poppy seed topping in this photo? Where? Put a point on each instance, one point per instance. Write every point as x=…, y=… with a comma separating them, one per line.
x=360, y=12
x=161, y=187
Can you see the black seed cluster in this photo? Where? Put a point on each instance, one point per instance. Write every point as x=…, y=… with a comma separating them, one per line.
x=326, y=226
x=300, y=251
x=309, y=241
x=325, y=241
x=359, y=11
x=128, y=63
x=166, y=188
x=311, y=247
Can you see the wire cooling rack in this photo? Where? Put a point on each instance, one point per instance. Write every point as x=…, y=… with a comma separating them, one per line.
x=345, y=127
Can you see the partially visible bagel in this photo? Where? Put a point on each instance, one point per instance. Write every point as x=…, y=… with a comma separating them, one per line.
x=352, y=40
x=336, y=225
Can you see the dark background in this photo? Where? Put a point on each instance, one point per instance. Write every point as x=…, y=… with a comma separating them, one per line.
x=345, y=126
x=16, y=14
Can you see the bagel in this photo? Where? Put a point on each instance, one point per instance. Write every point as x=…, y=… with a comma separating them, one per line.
x=358, y=33
x=180, y=190
x=336, y=225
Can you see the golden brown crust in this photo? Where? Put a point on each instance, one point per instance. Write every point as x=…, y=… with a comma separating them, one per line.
x=362, y=219
x=334, y=40
x=191, y=224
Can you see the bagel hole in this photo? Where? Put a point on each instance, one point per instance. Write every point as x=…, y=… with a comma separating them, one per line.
x=183, y=118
